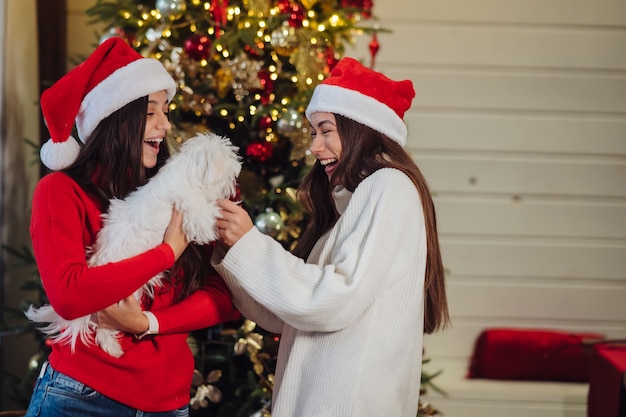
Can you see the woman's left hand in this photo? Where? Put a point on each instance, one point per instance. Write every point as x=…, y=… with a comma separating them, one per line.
x=125, y=315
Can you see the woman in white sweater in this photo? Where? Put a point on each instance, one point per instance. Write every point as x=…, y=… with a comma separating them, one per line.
x=366, y=280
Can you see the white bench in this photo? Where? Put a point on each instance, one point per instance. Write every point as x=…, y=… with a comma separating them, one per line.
x=491, y=398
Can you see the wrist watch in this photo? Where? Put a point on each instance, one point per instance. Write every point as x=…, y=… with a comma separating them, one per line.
x=153, y=327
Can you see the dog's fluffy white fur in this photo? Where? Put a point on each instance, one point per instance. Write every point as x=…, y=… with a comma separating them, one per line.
x=203, y=170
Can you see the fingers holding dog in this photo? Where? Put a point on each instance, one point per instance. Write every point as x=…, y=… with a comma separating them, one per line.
x=174, y=234
x=233, y=223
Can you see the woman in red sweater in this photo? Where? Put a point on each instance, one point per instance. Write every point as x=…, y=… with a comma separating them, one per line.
x=119, y=102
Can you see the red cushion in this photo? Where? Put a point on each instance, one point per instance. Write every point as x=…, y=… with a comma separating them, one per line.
x=528, y=354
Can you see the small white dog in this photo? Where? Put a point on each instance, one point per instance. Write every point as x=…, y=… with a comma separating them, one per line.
x=202, y=171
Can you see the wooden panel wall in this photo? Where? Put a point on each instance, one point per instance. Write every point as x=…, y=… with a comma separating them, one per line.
x=519, y=124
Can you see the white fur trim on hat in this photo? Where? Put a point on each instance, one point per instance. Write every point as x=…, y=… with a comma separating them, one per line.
x=358, y=107
x=137, y=79
x=59, y=155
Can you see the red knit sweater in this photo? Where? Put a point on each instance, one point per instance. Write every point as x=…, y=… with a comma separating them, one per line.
x=154, y=374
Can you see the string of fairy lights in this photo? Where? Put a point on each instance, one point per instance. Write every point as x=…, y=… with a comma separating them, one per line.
x=246, y=69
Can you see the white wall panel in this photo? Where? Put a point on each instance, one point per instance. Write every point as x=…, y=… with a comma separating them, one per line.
x=472, y=299
x=515, y=91
x=555, y=13
x=515, y=175
x=531, y=219
x=536, y=260
x=467, y=46
x=521, y=133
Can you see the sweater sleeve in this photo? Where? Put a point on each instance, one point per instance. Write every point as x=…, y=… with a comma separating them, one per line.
x=206, y=307
x=64, y=224
x=248, y=306
x=377, y=241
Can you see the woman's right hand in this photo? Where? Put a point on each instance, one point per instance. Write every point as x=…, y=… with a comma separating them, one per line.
x=174, y=235
x=233, y=223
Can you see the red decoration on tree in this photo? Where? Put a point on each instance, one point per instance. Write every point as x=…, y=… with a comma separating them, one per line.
x=267, y=86
x=296, y=15
x=374, y=47
x=294, y=10
x=331, y=59
x=252, y=51
x=265, y=122
x=284, y=6
x=365, y=6
x=259, y=152
x=198, y=47
x=219, y=10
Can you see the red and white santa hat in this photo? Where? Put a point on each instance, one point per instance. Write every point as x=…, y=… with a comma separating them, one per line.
x=365, y=96
x=111, y=77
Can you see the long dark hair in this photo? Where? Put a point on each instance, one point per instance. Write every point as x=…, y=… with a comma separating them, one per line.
x=369, y=151
x=110, y=166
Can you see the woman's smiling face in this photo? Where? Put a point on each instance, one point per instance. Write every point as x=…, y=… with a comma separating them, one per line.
x=325, y=141
x=157, y=125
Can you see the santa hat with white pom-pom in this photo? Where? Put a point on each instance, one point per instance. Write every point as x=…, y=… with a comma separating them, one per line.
x=365, y=96
x=110, y=78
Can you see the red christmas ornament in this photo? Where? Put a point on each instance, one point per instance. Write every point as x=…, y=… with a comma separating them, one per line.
x=259, y=152
x=294, y=10
x=265, y=122
x=365, y=6
x=254, y=53
x=331, y=60
x=284, y=6
x=198, y=47
x=296, y=15
x=219, y=10
x=374, y=47
x=267, y=86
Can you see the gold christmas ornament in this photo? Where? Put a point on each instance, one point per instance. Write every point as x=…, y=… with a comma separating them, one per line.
x=258, y=8
x=223, y=80
x=293, y=125
x=284, y=40
x=244, y=74
x=308, y=3
x=310, y=62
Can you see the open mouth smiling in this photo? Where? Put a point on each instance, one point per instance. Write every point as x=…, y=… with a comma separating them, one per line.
x=154, y=142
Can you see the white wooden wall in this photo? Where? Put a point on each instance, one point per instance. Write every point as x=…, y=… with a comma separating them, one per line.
x=519, y=124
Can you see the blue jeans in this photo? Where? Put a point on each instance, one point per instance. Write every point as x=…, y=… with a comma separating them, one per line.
x=58, y=395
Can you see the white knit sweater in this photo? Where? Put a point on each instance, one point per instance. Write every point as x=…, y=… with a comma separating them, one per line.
x=351, y=318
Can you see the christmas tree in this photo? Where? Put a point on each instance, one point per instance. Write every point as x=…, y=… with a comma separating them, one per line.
x=246, y=70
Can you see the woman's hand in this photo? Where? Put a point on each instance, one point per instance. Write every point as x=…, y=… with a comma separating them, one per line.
x=234, y=223
x=125, y=315
x=174, y=235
